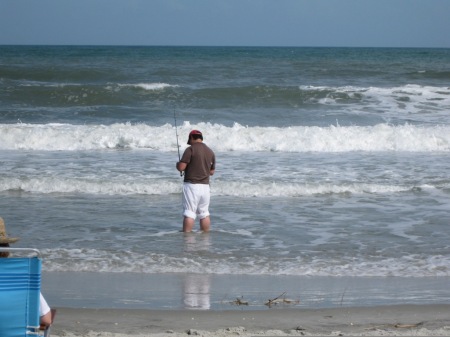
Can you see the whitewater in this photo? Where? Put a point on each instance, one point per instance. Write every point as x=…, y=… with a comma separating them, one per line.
x=335, y=138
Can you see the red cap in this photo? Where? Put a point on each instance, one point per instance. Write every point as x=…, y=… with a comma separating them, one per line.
x=194, y=132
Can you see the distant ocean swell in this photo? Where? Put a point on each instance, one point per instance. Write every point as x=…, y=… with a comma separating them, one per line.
x=381, y=137
x=71, y=94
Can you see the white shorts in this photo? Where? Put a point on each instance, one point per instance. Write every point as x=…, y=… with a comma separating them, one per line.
x=196, y=200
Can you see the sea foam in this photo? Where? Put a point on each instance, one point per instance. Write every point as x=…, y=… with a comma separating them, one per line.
x=90, y=260
x=129, y=185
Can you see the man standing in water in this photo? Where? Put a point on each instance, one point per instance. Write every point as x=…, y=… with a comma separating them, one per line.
x=198, y=163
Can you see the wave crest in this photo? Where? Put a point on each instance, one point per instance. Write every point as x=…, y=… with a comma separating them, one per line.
x=381, y=137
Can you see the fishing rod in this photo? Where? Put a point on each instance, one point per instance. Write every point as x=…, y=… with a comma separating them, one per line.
x=176, y=133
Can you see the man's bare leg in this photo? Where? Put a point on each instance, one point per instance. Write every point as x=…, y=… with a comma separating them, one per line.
x=188, y=224
x=205, y=224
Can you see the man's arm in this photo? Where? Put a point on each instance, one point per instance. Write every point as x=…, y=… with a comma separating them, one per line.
x=213, y=165
x=46, y=320
x=181, y=166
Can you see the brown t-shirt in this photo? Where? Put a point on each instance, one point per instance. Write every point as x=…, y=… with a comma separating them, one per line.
x=200, y=159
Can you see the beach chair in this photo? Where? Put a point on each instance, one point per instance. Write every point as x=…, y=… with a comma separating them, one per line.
x=20, y=285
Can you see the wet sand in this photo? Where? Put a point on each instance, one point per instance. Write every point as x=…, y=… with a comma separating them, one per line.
x=400, y=320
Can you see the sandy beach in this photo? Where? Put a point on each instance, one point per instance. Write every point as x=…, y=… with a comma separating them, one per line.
x=402, y=320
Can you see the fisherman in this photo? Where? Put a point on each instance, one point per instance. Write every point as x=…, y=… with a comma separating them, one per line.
x=198, y=163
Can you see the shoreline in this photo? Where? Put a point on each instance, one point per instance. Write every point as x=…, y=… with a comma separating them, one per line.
x=176, y=305
x=406, y=320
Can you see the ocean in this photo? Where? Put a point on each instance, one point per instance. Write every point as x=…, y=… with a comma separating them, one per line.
x=332, y=164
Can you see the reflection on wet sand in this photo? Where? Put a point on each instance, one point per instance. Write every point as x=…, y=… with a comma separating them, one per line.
x=196, y=287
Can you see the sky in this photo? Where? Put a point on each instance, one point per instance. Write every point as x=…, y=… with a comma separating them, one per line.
x=303, y=23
